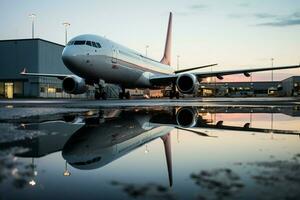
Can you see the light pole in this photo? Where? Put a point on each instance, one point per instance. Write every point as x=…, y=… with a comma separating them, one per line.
x=147, y=46
x=178, y=56
x=272, y=62
x=32, y=16
x=66, y=25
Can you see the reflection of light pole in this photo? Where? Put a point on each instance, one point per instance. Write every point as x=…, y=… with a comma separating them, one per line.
x=147, y=46
x=66, y=25
x=272, y=62
x=32, y=16
x=66, y=172
x=146, y=150
x=34, y=173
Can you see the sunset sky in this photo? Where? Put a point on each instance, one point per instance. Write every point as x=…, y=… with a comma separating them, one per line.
x=234, y=33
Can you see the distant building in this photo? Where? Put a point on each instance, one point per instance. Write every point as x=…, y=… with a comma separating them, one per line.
x=291, y=86
x=262, y=88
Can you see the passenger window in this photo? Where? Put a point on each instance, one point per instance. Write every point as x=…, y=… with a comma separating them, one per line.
x=94, y=44
x=89, y=43
x=79, y=42
x=98, y=45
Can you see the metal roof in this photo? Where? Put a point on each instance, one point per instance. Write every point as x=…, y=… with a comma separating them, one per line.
x=29, y=39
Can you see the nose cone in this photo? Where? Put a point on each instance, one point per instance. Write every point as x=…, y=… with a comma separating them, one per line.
x=69, y=57
x=72, y=58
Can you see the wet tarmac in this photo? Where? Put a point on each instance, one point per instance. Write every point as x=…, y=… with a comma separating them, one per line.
x=150, y=149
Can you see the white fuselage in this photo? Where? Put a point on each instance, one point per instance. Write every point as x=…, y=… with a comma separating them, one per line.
x=111, y=62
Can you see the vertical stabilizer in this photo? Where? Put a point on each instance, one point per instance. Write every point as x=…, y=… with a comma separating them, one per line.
x=168, y=151
x=167, y=54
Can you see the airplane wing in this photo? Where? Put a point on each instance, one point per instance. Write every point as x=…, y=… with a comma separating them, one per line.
x=194, y=68
x=168, y=79
x=59, y=76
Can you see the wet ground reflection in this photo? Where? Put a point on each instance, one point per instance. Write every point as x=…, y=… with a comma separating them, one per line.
x=194, y=152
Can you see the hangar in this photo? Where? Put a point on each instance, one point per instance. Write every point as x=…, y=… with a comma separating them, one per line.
x=36, y=55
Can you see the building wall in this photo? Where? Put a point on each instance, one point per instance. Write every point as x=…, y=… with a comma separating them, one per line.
x=15, y=56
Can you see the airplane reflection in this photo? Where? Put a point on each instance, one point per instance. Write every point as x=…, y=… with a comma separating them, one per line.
x=96, y=138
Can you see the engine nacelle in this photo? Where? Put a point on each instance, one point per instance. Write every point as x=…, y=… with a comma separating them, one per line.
x=187, y=83
x=186, y=117
x=74, y=85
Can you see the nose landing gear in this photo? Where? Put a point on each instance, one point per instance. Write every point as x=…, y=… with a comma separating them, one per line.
x=100, y=94
x=124, y=94
x=99, y=91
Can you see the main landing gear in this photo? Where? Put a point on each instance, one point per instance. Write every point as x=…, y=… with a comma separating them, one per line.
x=174, y=93
x=124, y=94
x=99, y=92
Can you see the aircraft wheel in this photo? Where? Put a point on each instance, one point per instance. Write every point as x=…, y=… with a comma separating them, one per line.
x=121, y=95
x=177, y=95
x=104, y=95
x=127, y=95
x=97, y=95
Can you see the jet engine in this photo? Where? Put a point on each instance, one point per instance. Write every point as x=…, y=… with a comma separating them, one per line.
x=186, y=117
x=187, y=83
x=74, y=85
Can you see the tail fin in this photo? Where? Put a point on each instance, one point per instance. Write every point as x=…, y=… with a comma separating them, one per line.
x=167, y=54
x=168, y=151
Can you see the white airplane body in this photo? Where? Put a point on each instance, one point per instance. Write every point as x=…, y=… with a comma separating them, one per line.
x=96, y=60
x=112, y=62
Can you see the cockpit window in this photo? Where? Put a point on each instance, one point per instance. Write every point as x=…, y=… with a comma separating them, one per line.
x=94, y=44
x=79, y=42
x=89, y=43
x=70, y=43
x=83, y=42
x=98, y=45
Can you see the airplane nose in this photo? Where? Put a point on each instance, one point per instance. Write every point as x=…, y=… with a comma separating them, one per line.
x=68, y=57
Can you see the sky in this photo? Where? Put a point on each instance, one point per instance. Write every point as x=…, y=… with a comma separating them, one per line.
x=233, y=33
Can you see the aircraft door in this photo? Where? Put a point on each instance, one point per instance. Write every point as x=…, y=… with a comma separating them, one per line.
x=114, y=55
x=9, y=90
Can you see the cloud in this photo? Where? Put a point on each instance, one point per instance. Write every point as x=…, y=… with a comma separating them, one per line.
x=236, y=16
x=198, y=7
x=244, y=4
x=282, y=23
x=191, y=10
x=277, y=21
x=264, y=15
x=272, y=19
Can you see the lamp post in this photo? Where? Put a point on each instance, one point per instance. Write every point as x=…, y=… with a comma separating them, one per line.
x=272, y=62
x=178, y=56
x=32, y=16
x=66, y=25
x=147, y=46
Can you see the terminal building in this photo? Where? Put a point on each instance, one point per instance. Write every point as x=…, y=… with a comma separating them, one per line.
x=286, y=87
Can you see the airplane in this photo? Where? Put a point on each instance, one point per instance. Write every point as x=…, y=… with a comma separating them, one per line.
x=96, y=60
